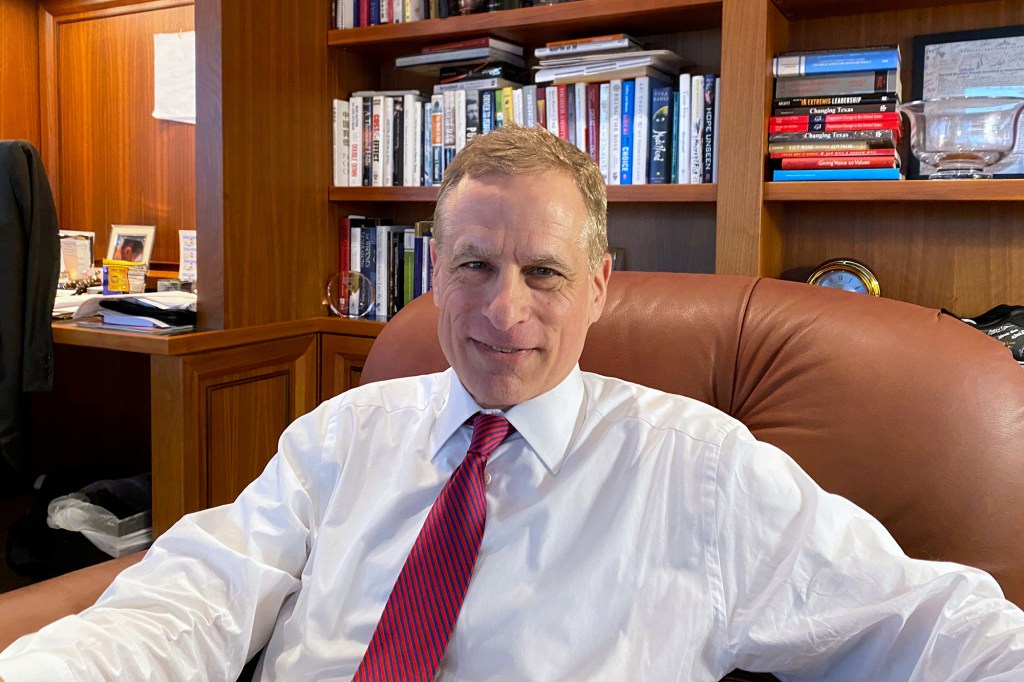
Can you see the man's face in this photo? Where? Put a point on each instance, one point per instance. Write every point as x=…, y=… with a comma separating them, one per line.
x=513, y=284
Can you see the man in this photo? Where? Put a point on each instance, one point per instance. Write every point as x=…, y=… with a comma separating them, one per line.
x=630, y=534
x=131, y=249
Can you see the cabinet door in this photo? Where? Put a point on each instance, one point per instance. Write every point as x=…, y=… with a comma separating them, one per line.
x=341, y=362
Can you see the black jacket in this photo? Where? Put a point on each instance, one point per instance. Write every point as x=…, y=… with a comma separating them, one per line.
x=29, y=265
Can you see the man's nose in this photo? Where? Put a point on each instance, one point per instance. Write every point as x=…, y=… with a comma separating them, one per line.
x=507, y=302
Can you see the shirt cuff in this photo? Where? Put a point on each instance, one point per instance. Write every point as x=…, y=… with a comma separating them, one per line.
x=35, y=666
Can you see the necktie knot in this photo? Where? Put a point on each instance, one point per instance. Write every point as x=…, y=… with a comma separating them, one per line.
x=489, y=430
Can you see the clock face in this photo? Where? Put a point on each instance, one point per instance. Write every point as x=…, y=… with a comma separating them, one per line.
x=843, y=279
x=847, y=275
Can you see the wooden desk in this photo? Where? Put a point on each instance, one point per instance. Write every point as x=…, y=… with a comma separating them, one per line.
x=219, y=400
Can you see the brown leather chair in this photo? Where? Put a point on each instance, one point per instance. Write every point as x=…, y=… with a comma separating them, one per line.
x=911, y=414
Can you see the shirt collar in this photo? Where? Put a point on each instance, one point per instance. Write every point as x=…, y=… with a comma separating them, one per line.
x=541, y=421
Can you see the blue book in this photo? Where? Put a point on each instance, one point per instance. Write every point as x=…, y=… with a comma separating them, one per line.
x=837, y=174
x=417, y=268
x=831, y=61
x=368, y=268
x=626, y=154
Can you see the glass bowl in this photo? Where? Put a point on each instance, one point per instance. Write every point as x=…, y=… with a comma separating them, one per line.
x=963, y=137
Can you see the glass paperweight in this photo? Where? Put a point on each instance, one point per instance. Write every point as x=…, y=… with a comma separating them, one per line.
x=963, y=137
x=350, y=294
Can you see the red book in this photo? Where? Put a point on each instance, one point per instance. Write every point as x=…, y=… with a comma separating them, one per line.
x=563, y=112
x=810, y=162
x=879, y=117
x=827, y=126
x=890, y=152
x=593, y=120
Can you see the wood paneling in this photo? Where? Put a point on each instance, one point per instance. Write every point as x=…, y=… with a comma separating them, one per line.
x=19, y=71
x=217, y=417
x=118, y=164
x=341, y=362
x=264, y=164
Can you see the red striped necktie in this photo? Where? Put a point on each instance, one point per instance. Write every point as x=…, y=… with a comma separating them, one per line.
x=420, y=614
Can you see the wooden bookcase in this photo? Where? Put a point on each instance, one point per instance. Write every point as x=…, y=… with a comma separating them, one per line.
x=952, y=245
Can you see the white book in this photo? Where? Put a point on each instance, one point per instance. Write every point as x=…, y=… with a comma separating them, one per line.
x=551, y=97
x=382, y=288
x=411, y=106
x=427, y=152
x=397, y=11
x=714, y=142
x=387, y=167
x=342, y=124
x=346, y=14
x=682, y=128
x=603, y=123
x=641, y=127
x=437, y=137
x=518, y=109
x=614, y=131
x=413, y=10
x=617, y=45
x=460, y=120
x=355, y=142
x=530, y=105
x=472, y=114
x=696, y=127
x=377, y=141
x=355, y=262
x=580, y=103
x=449, y=127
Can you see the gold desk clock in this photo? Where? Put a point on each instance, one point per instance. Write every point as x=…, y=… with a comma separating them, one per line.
x=846, y=274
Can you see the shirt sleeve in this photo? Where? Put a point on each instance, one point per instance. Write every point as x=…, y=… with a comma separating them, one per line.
x=206, y=596
x=810, y=587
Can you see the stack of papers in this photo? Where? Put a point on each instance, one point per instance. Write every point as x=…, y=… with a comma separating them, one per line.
x=159, y=312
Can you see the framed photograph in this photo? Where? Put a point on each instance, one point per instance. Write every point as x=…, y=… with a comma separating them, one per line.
x=985, y=62
x=131, y=243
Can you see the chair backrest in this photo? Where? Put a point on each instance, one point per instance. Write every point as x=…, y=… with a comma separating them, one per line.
x=911, y=414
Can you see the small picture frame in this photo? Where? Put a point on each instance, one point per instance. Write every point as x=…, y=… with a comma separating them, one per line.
x=131, y=243
x=986, y=62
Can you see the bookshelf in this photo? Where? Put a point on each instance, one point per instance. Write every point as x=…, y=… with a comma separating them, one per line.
x=939, y=244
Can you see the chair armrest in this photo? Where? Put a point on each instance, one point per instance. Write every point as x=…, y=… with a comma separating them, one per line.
x=29, y=608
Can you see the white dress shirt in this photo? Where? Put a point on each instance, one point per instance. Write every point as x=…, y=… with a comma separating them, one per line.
x=631, y=535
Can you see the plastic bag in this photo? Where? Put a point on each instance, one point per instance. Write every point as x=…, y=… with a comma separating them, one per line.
x=114, y=536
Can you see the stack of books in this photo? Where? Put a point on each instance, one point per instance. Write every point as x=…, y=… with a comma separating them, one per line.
x=835, y=115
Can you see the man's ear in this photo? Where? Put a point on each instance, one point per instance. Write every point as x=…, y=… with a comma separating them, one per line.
x=602, y=274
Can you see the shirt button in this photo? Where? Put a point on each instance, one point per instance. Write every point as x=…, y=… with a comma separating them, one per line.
x=487, y=479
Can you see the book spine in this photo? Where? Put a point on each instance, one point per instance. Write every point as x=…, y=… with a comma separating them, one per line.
x=708, y=132
x=437, y=137
x=472, y=114
x=888, y=136
x=530, y=105
x=589, y=39
x=674, y=172
x=377, y=140
x=368, y=141
x=592, y=97
x=615, y=132
x=375, y=18
x=714, y=140
x=382, y=289
x=396, y=123
x=417, y=268
x=641, y=128
x=427, y=145
x=408, y=265
x=580, y=118
x=835, y=62
x=890, y=153
x=626, y=151
x=682, y=131
x=499, y=108
x=859, y=121
x=368, y=268
x=661, y=135
x=603, y=125
x=832, y=110
x=408, y=176
x=355, y=142
x=365, y=18
x=583, y=48
x=566, y=113
x=853, y=83
x=355, y=264
x=341, y=142
x=508, y=114
x=344, y=259
x=891, y=97
x=460, y=119
x=396, y=272
x=696, y=128
x=551, y=97
x=486, y=111
x=774, y=147
x=518, y=113
x=448, y=127
x=837, y=174
x=811, y=163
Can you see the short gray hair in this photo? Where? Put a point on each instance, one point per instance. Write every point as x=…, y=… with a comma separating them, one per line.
x=517, y=150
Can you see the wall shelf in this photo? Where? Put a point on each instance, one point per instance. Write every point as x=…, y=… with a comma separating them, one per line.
x=616, y=194
x=897, y=190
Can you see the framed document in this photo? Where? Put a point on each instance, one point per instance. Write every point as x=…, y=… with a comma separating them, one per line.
x=985, y=62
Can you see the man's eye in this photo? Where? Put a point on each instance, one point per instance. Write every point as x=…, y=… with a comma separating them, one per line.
x=544, y=272
x=475, y=265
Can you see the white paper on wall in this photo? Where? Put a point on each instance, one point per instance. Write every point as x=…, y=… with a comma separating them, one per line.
x=174, y=76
